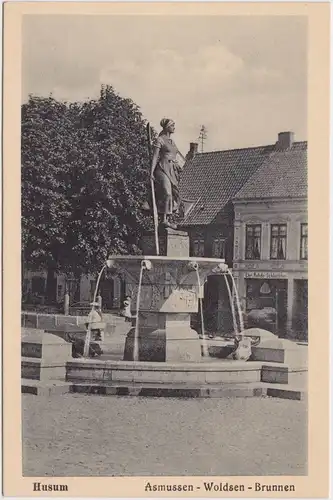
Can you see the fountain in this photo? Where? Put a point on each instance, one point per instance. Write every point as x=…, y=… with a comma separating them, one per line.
x=165, y=292
x=161, y=349
x=163, y=355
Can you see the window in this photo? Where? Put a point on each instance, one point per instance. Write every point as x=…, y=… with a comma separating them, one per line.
x=218, y=248
x=304, y=241
x=198, y=247
x=253, y=242
x=278, y=241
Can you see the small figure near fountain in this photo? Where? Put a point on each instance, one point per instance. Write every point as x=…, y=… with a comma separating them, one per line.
x=166, y=166
x=95, y=320
x=125, y=311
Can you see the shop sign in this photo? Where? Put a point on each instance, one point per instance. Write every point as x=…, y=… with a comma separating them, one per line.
x=266, y=275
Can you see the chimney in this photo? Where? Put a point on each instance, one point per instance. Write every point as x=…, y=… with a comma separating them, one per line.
x=285, y=140
x=193, y=150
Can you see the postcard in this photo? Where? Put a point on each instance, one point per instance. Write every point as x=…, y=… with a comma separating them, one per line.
x=165, y=249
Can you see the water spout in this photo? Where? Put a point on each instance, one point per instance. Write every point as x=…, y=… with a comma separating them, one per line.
x=88, y=335
x=204, y=341
x=240, y=313
x=145, y=265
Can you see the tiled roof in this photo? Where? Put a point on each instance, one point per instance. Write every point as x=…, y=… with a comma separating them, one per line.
x=211, y=180
x=282, y=175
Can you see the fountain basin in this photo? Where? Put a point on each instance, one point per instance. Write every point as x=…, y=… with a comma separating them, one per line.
x=218, y=373
x=212, y=372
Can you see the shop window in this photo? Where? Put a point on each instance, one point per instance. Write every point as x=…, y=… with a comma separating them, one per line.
x=198, y=247
x=253, y=241
x=218, y=248
x=278, y=241
x=265, y=289
x=304, y=241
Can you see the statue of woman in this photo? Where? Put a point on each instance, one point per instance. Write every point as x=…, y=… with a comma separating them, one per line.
x=167, y=163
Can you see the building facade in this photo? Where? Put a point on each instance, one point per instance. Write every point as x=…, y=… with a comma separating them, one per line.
x=249, y=206
x=270, y=262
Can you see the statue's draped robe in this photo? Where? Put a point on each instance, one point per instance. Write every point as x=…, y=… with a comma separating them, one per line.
x=167, y=176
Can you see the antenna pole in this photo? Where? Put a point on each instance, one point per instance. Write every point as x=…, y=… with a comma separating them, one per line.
x=202, y=137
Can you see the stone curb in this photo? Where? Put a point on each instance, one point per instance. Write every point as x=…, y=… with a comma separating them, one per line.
x=286, y=394
x=164, y=392
x=46, y=390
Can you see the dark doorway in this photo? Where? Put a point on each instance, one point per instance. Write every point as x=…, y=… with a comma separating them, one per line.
x=211, y=303
x=107, y=293
x=73, y=289
x=281, y=297
x=51, y=287
x=300, y=319
x=38, y=285
x=217, y=309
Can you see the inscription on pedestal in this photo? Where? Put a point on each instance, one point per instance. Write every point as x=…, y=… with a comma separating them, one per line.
x=181, y=300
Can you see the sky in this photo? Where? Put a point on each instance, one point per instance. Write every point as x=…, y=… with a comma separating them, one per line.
x=243, y=77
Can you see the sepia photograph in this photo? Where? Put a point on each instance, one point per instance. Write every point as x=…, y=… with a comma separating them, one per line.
x=164, y=208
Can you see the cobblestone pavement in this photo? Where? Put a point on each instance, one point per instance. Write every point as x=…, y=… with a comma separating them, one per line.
x=77, y=435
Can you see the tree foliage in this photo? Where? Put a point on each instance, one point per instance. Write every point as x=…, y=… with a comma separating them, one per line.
x=85, y=174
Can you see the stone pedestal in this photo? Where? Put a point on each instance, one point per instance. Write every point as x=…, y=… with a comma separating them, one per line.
x=171, y=287
x=44, y=357
x=164, y=337
x=271, y=348
x=172, y=243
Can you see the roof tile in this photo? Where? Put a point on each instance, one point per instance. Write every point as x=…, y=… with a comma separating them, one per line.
x=282, y=175
x=211, y=180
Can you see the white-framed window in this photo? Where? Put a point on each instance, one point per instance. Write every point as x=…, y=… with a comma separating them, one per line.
x=218, y=248
x=304, y=242
x=278, y=241
x=253, y=242
x=198, y=247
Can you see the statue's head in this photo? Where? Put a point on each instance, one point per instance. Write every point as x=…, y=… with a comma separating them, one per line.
x=168, y=125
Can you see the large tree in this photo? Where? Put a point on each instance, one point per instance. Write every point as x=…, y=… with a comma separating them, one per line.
x=85, y=173
x=46, y=143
